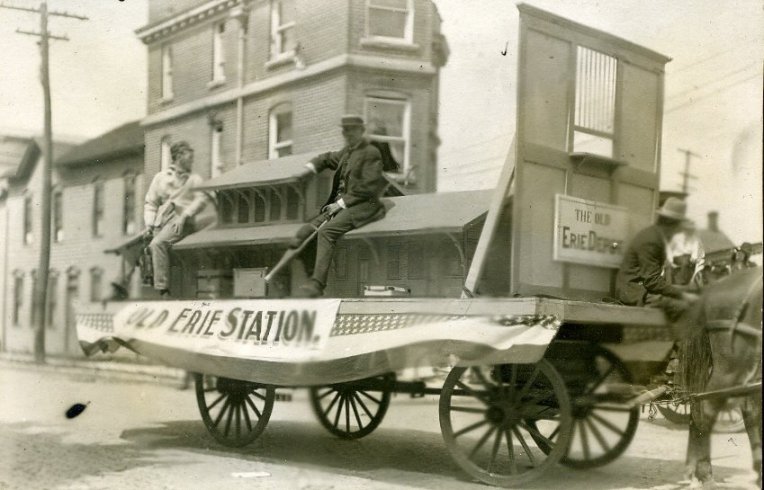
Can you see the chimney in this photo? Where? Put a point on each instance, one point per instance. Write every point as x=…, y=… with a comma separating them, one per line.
x=713, y=221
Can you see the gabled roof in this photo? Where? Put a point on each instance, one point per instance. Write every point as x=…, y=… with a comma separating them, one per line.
x=447, y=212
x=12, y=151
x=125, y=140
x=715, y=241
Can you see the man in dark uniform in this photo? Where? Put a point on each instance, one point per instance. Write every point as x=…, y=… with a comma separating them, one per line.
x=354, y=199
x=644, y=277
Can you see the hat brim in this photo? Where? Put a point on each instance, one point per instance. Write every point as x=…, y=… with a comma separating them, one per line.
x=352, y=125
x=674, y=216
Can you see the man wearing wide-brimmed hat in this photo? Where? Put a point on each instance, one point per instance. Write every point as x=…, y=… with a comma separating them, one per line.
x=643, y=277
x=353, y=201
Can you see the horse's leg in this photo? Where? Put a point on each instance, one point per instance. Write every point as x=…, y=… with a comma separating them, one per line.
x=751, y=409
x=703, y=416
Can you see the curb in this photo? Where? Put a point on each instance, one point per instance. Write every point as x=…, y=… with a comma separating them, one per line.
x=111, y=369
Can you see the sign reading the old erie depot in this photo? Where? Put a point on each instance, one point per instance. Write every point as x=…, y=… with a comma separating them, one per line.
x=589, y=232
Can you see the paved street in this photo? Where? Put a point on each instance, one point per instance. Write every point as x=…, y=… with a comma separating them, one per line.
x=149, y=435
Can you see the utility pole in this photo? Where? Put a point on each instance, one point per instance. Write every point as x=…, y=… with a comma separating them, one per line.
x=41, y=289
x=686, y=175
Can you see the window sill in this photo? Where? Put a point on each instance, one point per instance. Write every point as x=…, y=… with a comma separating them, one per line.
x=215, y=83
x=165, y=100
x=280, y=60
x=389, y=43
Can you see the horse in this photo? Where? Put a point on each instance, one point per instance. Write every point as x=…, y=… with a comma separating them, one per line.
x=721, y=348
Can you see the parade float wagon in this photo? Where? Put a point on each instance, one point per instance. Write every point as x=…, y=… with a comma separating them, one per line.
x=544, y=367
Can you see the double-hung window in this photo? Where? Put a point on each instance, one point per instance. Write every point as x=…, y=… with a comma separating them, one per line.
x=283, y=16
x=129, y=216
x=216, y=148
x=58, y=216
x=165, y=155
x=28, y=233
x=280, y=131
x=98, y=208
x=388, y=123
x=166, y=88
x=391, y=20
x=218, y=53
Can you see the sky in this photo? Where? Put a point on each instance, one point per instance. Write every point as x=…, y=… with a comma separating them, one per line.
x=713, y=86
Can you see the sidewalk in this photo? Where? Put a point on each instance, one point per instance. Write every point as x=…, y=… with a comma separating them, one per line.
x=114, y=368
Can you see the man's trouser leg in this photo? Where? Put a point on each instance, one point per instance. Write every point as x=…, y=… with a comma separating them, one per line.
x=325, y=242
x=168, y=235
x=672, y=307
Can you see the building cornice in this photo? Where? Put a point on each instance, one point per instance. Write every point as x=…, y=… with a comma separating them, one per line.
x=166, y=27
x=270, y=83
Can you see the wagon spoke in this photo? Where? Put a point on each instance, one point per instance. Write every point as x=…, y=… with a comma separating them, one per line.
x=471, y=391
x=208, y=390
x=254, y=392
x=598, y=435
x=525, y=446
x=511, y=449
x=228, y=420
x=495, y=450
x=355, y=410
x=481, y=377
x=222, y=412
x=512, y=381
x=537, y=436
x=482, y=441
x=246, y=416
x=325, y=394
x=529, y=383
x=613, y=408
x=337, y=396
x=470, y=428
x=375, y=400
x=363, y=405
x=339, y=411
x=254, y=407
x=584, y=439
x=347, y=414
x=218, y=400
x=607, y=424
x=467, y=409
x=600, y=380
x=238, y=420
x=554, y=433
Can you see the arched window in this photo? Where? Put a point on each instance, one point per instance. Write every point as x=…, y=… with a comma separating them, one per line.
x=280, y=131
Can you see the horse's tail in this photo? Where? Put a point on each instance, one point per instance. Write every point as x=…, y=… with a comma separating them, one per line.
x=695, y=359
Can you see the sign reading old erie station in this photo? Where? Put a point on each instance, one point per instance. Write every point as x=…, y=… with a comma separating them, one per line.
x=589, y=232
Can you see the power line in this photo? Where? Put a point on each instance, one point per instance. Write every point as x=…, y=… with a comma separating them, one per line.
x=41, y=288
x=715, y=80
x=705, y=96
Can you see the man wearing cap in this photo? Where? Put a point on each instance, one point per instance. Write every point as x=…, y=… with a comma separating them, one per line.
x=642, y=279
x=169, y=213
x=353, y=201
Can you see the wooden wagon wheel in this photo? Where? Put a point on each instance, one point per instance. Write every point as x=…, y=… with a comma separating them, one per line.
x=353, y=410
x=235, y=412
x=675, y=412
x=729, y=421
x=603, y=424
x=493, y=419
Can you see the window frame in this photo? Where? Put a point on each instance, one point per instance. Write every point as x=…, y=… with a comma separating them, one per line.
x=34, y=307
x=218, y=53
x=57, y=215
x=273, y=130
x=98, y=213
x=27, y=231
x=18, y=298
x=165, y=155
x=584, y=102
x=399, y=99
x=276, y=49
x=216, y=148
x=166, y=91
x=52, y=299
x=408, y=30
x=130, y=181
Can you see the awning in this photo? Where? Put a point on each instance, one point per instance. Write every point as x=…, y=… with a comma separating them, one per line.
x=234, y=237
x=447, y=212
x=274, y=171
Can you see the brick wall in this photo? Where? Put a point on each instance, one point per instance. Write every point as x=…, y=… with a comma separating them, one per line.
x=162, y=9
x=75, y=255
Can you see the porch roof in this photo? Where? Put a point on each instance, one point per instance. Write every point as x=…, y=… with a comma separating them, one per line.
x=447, y=212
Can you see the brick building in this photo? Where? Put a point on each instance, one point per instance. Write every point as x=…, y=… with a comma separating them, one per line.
x=248, y=80
x=96, y=204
